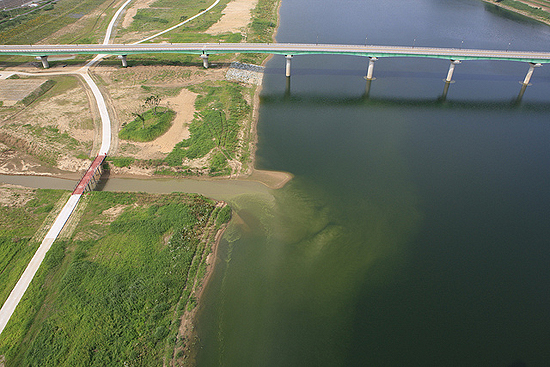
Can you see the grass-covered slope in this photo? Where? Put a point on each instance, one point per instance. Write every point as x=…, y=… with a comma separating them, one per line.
x=114, y=294
x=22, y=213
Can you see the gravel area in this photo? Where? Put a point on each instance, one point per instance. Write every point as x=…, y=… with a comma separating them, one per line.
x=245, y=73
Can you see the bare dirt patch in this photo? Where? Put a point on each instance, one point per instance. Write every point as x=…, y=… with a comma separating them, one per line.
x=52, y=130
x=15, y=196
x=15, y=90
x=109, y=215
x=236, y=17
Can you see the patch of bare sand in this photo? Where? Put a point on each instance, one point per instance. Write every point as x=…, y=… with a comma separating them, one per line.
x=236, y=17
x=109, y=215
x=15, y=196
x=272, y=179
x=132, y=11
x=184, y=106
x=69, y=112
x=72, y=164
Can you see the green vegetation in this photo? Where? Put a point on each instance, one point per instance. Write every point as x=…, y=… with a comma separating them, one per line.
x=41, y=23
x=18, y=225
x=224, y=215
x=535, y=12
x=262, y=28
x=121, y=161
x=166, y=13
x=114, y=294
x=222, y=110
x=149, y=125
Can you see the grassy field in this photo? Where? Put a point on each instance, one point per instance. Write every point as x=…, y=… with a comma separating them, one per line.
x=115, y=292
x=42, y=23
x=222, y=111
x=149, y=125
x=19, y=222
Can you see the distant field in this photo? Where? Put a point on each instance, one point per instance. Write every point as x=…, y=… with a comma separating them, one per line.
x=536, y=9
x=8, y=4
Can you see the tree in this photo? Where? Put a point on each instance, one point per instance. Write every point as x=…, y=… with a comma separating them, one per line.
x=138, y=112
x=152, y=102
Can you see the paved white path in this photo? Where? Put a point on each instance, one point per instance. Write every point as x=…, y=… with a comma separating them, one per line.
x=8, y=308
x=21, y=287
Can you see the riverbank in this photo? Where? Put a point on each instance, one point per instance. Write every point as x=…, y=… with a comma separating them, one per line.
x=530, y=9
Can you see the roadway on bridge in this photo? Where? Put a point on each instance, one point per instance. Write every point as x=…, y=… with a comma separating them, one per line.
x=279, y=48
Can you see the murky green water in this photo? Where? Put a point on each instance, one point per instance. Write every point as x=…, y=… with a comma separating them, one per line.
x=416, y=230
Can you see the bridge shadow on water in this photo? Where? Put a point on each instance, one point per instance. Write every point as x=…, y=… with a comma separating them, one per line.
x=366, y=99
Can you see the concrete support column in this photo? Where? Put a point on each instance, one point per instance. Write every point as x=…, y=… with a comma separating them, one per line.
x=204, y=58
x=124, y=61
x=287, y=71
x=370, y=70
x=443, y=97
x=287, y=89
x=451, y=70
x=367, y=89
x=521, y=93
x=532, y=67
x=44, y=60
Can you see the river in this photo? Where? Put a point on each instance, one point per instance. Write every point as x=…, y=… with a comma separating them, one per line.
x=415, y=232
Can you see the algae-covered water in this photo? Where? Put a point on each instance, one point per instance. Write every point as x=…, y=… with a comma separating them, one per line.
x=416, y=231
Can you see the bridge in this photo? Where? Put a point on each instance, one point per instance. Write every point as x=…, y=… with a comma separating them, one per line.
x=373, y=52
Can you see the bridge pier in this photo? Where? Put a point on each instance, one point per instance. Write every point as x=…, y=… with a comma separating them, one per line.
x=532, y=67
x=287, y=89
x=124, y=61
x=370, y=70
x=518, y=99
x=367, y=89
x=443, y=97
x=287, y=69
x=44, y=60
x=449, y=78
x=204, y=58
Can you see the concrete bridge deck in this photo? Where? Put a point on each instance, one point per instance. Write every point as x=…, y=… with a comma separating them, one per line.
x=280, y=49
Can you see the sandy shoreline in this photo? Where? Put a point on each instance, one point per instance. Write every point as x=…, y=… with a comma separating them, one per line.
x=187, y=329
x=272, y=179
